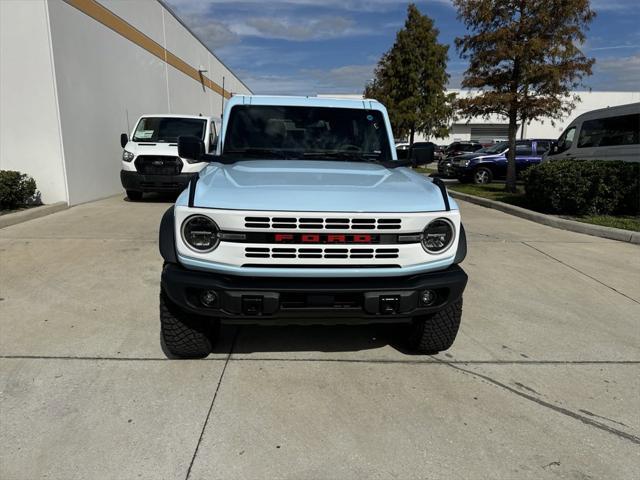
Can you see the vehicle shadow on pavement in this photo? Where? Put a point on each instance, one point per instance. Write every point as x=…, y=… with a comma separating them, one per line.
x=312, y=338
x=154, y=198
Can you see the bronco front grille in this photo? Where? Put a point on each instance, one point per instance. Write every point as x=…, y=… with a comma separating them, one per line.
x=158, y=165
x=327, y=253
x=324, y=223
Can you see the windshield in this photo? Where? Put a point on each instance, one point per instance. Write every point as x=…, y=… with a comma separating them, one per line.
x=159, y=129
x=307, y=132
x=493, y=149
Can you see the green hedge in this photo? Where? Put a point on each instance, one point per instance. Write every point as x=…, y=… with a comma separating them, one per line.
x=16, y=190
x=588, y=187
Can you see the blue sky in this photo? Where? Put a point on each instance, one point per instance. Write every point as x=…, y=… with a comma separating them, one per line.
x=305, y=47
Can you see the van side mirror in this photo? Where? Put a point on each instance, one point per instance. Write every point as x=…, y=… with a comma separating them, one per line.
x=191, y=148
x=124, y=139
x=423, y=155
x=554, y=149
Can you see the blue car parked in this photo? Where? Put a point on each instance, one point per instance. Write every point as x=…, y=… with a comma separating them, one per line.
x=489, y=163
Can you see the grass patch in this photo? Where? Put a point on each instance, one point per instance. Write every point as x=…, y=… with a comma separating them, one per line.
x=625, y=223
x=493, y=191
x=426, y=169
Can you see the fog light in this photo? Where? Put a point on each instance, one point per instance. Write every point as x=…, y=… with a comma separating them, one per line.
x=208, y=298
x=428, y=297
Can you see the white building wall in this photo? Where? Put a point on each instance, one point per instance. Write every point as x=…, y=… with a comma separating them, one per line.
x=105, y=81
x=545, y=128
x=30, y=139
x=588, y=101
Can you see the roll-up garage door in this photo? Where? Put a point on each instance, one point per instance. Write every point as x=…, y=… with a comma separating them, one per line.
x=494, y=131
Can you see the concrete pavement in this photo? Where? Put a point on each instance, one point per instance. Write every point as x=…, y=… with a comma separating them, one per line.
x=542, y=382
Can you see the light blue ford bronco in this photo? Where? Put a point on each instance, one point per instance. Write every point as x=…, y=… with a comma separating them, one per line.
x=305, y=214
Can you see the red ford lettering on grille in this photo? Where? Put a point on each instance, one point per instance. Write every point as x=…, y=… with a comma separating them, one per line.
x=284, y=237
x=336, y=238
x=321, y=238
x=362, y=239
x=310, y=238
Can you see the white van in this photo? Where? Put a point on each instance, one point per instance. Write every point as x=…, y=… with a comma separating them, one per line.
x=606, y=134
x=150, y=161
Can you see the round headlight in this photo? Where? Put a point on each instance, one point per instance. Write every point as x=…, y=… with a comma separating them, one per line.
x=200, y=233
x=438, y=236
x=127, y=156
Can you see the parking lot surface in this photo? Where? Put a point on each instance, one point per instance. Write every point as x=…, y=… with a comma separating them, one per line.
x=542, y=382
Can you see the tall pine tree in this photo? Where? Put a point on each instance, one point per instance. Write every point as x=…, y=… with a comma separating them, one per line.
x=524, y=58
x=411, y=80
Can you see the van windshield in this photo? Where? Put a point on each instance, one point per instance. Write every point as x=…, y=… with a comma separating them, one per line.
x=168, y=129
x=287, y=132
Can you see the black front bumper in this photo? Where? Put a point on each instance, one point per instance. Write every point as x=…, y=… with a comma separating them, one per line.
x=263, y=299
x=444, y=169
x=138, y=182
x=462, y=173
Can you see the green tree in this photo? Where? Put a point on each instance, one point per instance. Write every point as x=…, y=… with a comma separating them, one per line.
x=524, y=58
x=411, y=78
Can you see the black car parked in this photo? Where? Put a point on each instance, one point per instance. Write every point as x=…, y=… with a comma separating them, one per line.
x=453, y=150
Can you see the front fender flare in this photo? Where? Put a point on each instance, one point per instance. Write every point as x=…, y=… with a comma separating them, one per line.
x=167, y=239
x=461, y=253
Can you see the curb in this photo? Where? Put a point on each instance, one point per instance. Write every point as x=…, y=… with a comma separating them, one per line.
x=31, y=213
x=551, y=220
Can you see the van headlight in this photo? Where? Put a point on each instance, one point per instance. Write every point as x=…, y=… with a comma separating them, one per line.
x=438, y=236
x=200, y=233
x=127, y=156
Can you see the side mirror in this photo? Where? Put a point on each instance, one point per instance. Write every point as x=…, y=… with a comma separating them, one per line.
x=124, y=139
x=423, y=155
x=554, y=149
x=191, y=148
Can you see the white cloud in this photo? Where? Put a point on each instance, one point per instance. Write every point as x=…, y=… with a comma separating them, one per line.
x=350, y=5
x=617, y=73
x=614, y=5
x=614, y=47
x=196, y=15
x=343, y=79
x=296, y=28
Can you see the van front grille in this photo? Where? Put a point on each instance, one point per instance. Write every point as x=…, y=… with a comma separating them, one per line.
x=158, y=165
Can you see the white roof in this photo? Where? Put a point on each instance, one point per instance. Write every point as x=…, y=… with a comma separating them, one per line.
x=304, y=101
x=173, y=115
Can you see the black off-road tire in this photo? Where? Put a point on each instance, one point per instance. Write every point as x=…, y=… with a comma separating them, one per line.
x=185, y=335
x=134, y=195
x=435, y=333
